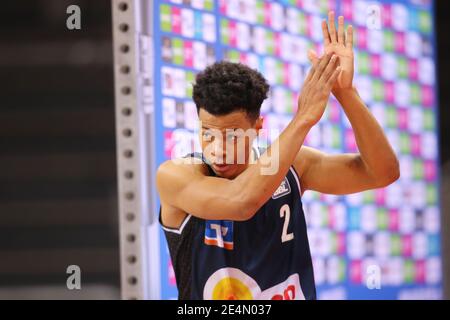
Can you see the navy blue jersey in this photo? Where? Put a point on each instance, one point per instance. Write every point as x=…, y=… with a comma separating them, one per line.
x=266, y=257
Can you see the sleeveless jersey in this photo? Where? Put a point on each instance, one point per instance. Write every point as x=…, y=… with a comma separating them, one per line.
x=266, y=257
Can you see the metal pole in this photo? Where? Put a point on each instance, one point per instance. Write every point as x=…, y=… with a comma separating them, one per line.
x=133, y=70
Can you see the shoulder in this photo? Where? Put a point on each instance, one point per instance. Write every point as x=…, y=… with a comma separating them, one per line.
x=177, y=172
x=172, y=176
x=182, y=166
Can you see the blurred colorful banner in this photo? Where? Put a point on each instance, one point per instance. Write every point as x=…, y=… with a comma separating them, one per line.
x=392, y=232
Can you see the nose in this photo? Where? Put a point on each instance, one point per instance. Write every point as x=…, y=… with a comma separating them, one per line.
x=218, y=151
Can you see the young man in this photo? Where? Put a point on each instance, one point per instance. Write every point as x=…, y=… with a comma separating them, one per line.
x=236, y=233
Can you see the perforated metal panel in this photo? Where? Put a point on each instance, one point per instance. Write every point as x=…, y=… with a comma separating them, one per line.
x=133, y=69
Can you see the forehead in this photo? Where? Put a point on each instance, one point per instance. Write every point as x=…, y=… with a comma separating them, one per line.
x=236, y=119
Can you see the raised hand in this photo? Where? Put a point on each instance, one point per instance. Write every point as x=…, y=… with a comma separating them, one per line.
x=317, y=87
x=341, y=44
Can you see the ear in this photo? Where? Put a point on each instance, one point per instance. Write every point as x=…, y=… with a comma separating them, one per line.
x=259, y=123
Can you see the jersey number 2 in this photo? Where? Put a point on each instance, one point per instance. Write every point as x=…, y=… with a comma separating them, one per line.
x=285, y=212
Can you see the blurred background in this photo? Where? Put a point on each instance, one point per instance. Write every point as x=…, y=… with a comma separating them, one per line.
x=58, y=190
x=58, y=184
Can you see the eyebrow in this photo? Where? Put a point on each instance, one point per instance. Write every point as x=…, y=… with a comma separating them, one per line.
x=234, y=129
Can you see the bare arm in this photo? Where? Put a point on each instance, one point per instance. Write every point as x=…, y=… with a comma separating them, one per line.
x=187, y=189
x=338, y=173
x=376, y=165
x=376, y=154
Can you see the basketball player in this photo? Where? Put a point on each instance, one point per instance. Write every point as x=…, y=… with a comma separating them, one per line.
x=236, y=233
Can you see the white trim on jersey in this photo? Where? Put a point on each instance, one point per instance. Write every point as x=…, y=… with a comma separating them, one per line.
x=297, y=179
x=180, y=229
x=257, y=153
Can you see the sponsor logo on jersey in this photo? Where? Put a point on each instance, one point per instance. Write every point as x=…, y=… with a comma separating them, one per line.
x=234, y=284
x=282, y=190
x=219, y=233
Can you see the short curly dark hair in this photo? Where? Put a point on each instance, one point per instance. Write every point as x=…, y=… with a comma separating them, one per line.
x=225, y=87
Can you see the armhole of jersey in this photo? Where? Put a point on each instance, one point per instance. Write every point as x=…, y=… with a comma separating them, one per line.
x=175, y=230
x=297, y=179
x=256, y=152
x=291, y=168
x=188, y=216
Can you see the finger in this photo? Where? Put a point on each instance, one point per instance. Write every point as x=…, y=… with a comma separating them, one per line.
x=326, y=33
x=332, y=65
x=312, y=56
x=333, y=78
x=311, y=73
x=323, y=62
x=349, y=38
x=332, y=27
x=313, y=70
x=341, y=30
